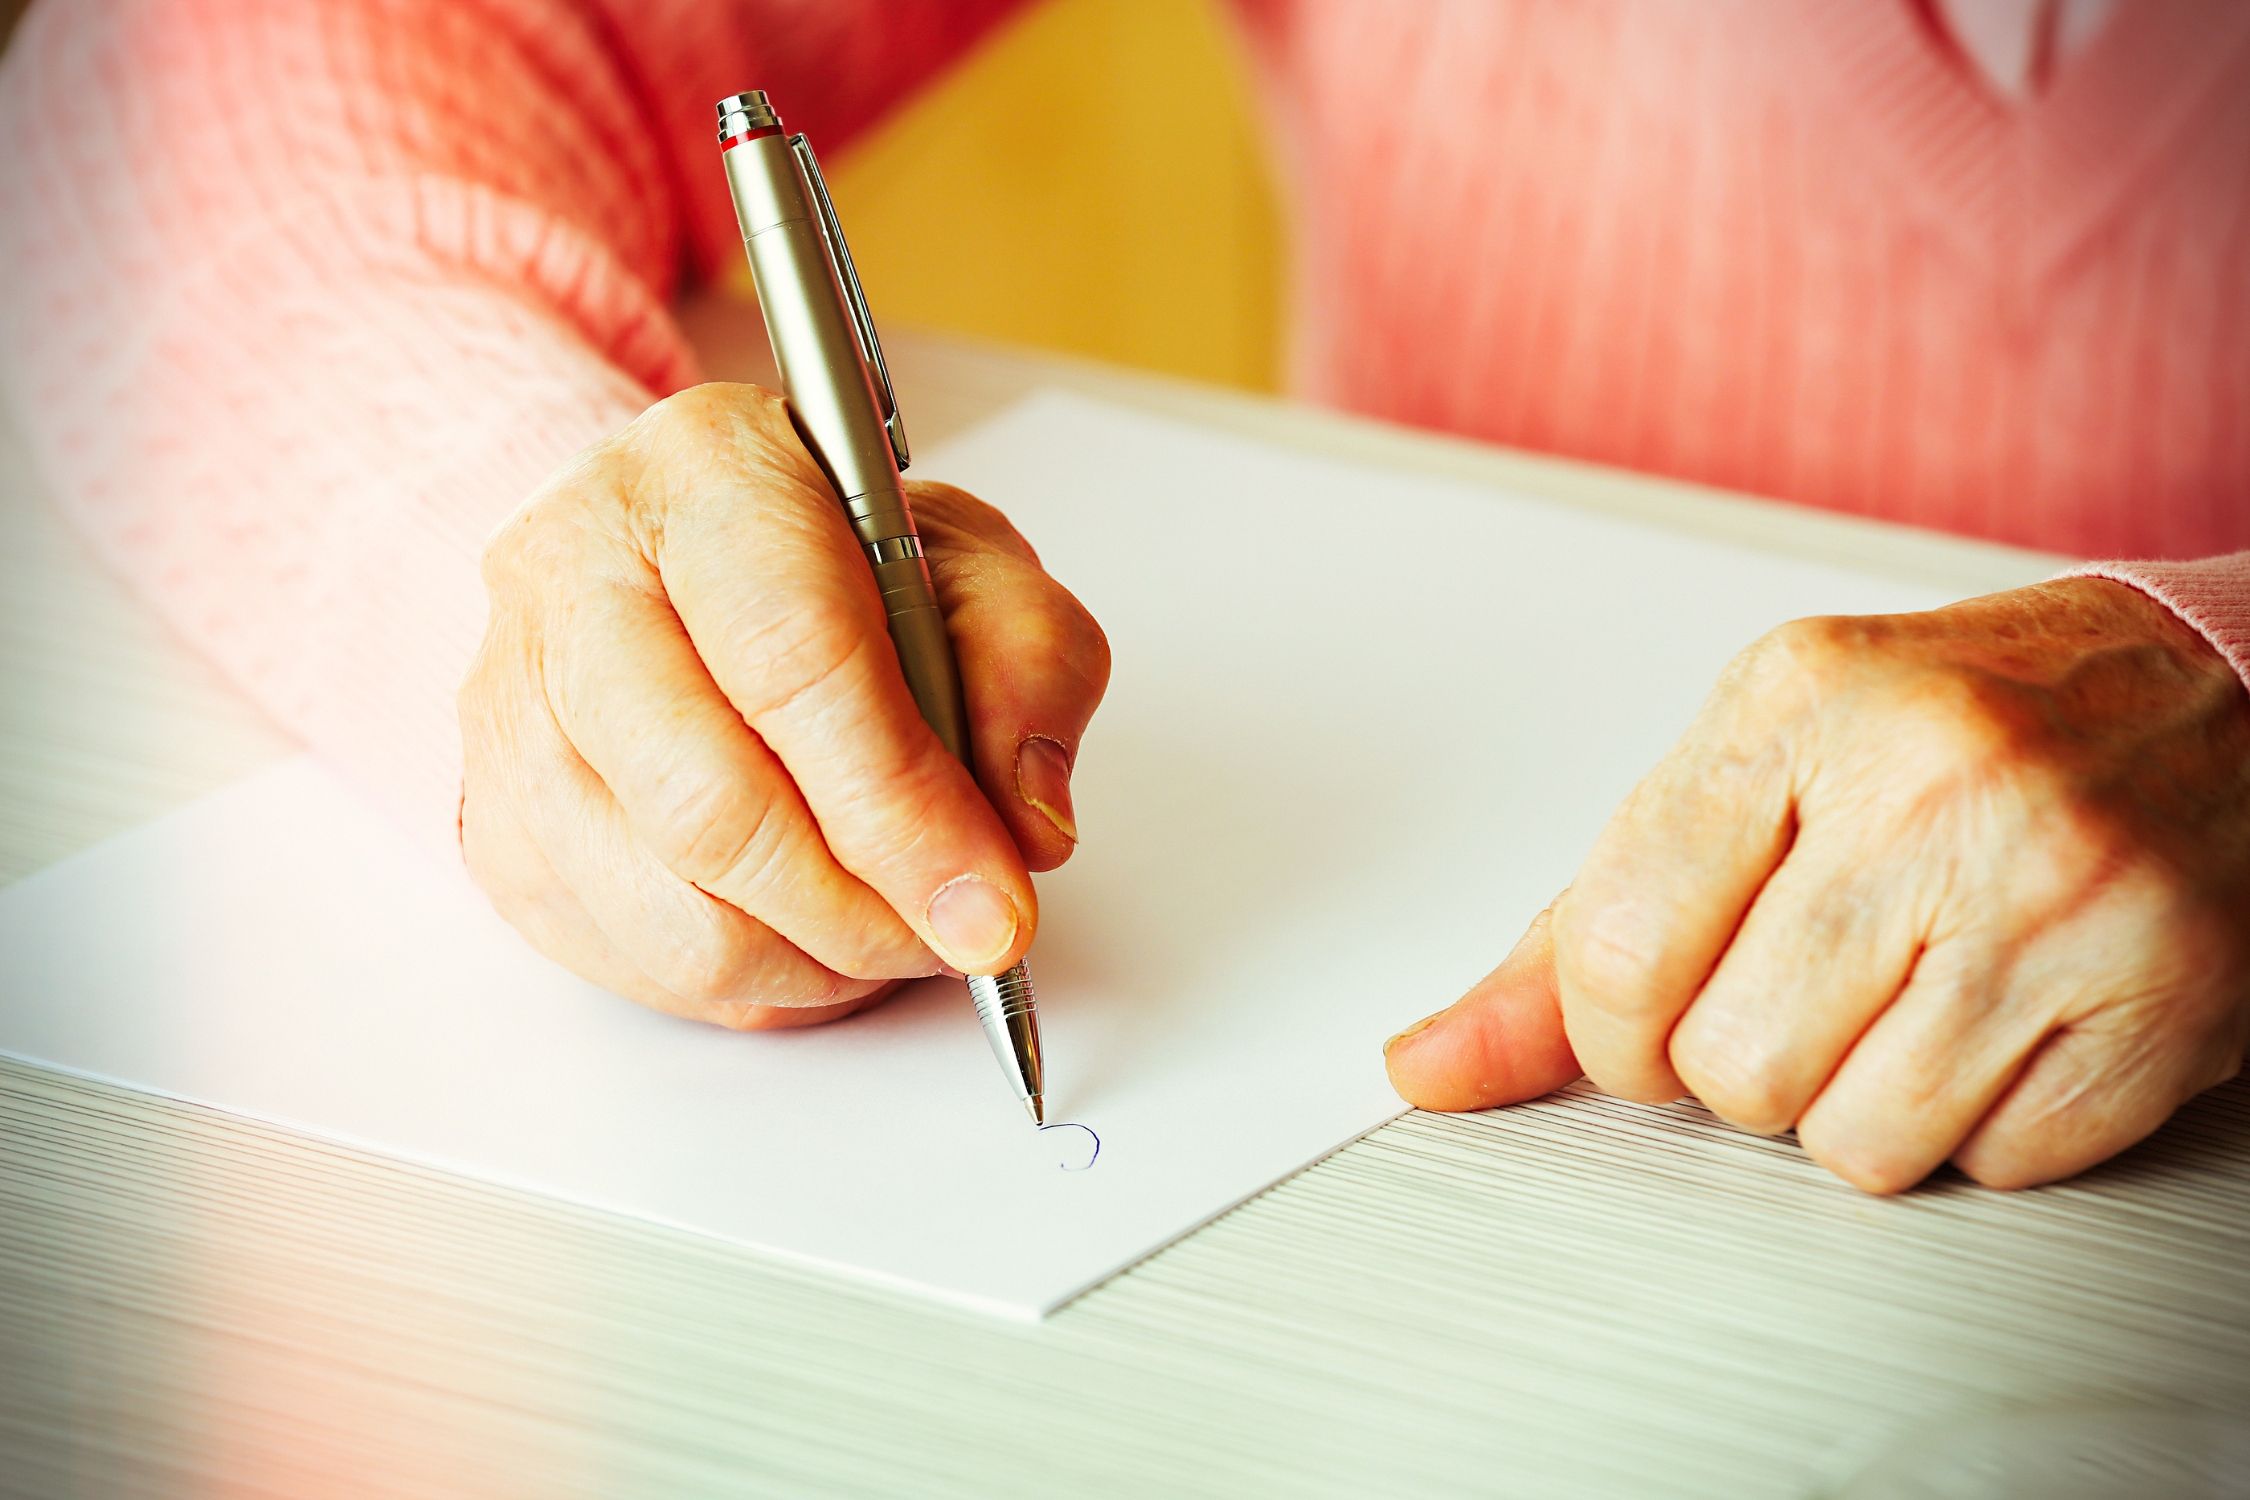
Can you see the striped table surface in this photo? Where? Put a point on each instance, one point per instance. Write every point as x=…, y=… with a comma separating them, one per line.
x=1579, y=1296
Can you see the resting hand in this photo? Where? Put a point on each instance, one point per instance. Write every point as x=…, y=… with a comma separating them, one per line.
x=1970, y=885
x=693, y=771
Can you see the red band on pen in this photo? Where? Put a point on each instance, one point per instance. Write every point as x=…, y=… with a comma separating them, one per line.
x=733, y=141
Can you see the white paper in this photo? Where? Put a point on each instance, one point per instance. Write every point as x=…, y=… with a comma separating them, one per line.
x=1362, y=726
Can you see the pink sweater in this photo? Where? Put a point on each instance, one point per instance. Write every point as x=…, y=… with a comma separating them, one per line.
x=302, y=298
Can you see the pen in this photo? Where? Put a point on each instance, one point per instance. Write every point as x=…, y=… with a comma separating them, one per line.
x=839, y=394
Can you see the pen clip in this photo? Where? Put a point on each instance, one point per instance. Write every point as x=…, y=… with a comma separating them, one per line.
x=863, y=322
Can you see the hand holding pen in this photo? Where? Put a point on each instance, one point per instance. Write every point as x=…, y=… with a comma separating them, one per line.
x=841, y=402
x=693, y=771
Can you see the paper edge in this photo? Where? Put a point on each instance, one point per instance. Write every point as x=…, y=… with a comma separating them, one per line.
x=796, y=1259
x=1034, y=1312
x=1290, y=1174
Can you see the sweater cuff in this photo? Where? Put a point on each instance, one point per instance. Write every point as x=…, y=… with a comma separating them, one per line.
x=2212, y=594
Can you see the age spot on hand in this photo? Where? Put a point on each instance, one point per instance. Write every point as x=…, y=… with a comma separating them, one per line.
x=1076, y=1147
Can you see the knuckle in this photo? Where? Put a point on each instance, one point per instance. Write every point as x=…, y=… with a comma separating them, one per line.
x=2087, y=866
x=762, y=403
x=1606, y=959
x=557, y=534
x=722, y=422
x=2088, y=869
x=798, y=651
x=713, y=832
x=1051, y=627
x=960, y=515
x=867, y=955
x=1807, y=648
x=696, y=409
x=670, y=411
x=1085, y=645
x=714, y=966
x=507, y=551
x=959, y=520
x=689, y=976
x=1815, y=640
x=683, y=421
x=914, y=803
x=1969, y=723
x=1727, y=783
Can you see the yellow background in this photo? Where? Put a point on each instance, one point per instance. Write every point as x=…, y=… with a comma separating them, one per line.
x=1092, y=178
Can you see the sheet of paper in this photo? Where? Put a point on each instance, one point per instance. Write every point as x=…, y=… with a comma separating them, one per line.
x=1361, y=727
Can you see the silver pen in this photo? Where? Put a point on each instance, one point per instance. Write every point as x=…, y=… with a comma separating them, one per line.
x=839, y=394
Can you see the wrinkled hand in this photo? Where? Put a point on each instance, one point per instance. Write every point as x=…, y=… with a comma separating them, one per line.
x=694, y=774
x=1969, y=885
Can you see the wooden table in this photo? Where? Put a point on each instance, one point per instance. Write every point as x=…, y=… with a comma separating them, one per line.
x=1580, y=1296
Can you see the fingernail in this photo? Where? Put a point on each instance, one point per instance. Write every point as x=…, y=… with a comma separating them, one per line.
x=974, y=921
x=1415, y=1030
x=1043, y=780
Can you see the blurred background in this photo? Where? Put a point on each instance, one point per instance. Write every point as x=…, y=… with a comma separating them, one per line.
x=1136, y=223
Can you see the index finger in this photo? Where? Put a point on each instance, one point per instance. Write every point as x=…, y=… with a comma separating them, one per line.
x=769, y=580
x=1665, y=887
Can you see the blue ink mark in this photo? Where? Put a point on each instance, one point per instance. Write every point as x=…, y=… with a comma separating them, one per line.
x=1092, y=1140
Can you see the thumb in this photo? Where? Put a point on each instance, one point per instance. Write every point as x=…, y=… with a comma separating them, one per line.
x=1501, y=1043
x=1033, y=662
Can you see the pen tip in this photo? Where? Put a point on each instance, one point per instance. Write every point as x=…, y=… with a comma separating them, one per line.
x=1037, y=1109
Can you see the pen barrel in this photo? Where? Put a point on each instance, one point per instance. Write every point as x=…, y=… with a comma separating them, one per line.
x=832, y=400
x=925, y=650
x=831, y=393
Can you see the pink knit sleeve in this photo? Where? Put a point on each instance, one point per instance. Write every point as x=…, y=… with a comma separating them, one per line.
x=304, y=296
x=2212, y=594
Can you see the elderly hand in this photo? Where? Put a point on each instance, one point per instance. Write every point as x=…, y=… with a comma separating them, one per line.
x=693, y=771
x=1968, y=885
